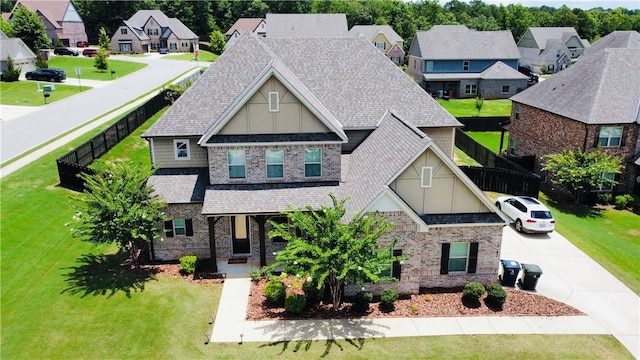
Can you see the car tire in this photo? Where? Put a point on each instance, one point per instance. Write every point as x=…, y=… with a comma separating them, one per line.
x=519, y=226
x=52, y=80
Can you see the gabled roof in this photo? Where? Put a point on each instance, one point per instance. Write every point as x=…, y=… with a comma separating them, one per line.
x=15, y=48
x=180, y=30
x=53, y=11
x=501, y=71
x=170, y=25
x=602, y=88
x=307, y=25
x=616, y=39
x=137, y=31
x=329, y=68
x=244, y=24
x=370, y=32
x=542, y=34
x=141, y=17
x=461, y=44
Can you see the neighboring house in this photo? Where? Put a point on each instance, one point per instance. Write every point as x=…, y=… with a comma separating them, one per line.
x=550, y=48
x=60, y=18
x=19, y=52
x=257, y=26
x=150, y=30
x=594, y=103
x=616, y=39
x=300, y=121
x=384, y=38
x=454, y=61
x=307, y=25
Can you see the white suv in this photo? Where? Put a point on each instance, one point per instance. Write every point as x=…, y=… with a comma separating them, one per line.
x=528, y=214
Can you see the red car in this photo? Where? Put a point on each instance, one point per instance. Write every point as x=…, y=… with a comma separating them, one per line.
x=82, y=43
x=90, y=52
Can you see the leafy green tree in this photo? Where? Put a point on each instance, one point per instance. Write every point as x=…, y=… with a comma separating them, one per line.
x=218, y=42
x=330, y=251
x=118, y=207
x=100, y=61
x=28, y=27
x=12, y=73
x=581, y=171
x=6, y=28
x=104, y=42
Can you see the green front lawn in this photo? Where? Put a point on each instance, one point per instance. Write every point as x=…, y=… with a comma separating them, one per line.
x=25, y=93
x=87, y=71
x=467, y=107
x=490, y=139
x=204, y=55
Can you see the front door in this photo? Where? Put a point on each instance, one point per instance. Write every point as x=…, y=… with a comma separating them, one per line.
x=240, y=235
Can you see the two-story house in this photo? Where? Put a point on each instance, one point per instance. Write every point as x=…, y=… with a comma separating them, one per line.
x=384, y=38
x=454, y=61
x=150, y=30
x=60, y=18
x=594, y=103
x=257, y=26
x=302, y=120
x=550, y=49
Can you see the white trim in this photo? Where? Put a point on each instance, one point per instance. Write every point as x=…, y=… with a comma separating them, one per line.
x=271, y=144
x=273, y=108
x=266, y=163
x=305, y=162
x=244, y=151
x=423, y=177
x=152, y=150
x=176, y=150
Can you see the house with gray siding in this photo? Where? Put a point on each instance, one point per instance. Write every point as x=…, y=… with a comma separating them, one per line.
x=550, y=49
x=301, y=121
x=458, y=62
x=21, y=56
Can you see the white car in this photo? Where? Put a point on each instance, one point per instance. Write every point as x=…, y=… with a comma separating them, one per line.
x=527, y=213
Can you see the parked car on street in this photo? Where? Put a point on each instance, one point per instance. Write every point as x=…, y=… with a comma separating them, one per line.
x=65, y=51
x=48, y=74
x=82, y=43
x=527, y=213
x=89, y=52
x=163, y=51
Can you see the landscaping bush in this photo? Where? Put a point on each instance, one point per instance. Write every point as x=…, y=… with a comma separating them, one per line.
x=388, y=299
x=188, y=264
x=295, y=303
x=310, y=288
x=12, y=73
x=496, y=294
x=605, y=198
x=361, y=301
x=275, y=291
x=473, y=291
x=623, y=201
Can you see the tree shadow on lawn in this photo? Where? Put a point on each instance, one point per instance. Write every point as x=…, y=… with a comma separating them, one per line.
x=100, y=274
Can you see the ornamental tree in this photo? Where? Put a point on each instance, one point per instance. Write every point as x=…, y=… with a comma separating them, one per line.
x=218, y=42
x=27, y=26
x=118, y=207
x=104, y=42
x=581, y=171
x=330, y=251
x=100, y=61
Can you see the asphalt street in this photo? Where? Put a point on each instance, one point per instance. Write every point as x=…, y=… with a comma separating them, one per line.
x=36, y=127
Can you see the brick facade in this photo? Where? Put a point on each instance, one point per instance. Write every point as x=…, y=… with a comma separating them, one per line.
x=173, y=248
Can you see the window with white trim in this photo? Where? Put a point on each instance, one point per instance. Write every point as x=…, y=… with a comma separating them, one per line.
x=152, y=31
x=470, y=89
x=426, y=176
x=458, y=254
x=459, y=258
x=275, y=163
x=610, y=136
x=182, y=149
x=312, y=162
x=465, y=65
x=429, y=66
x=380, y=45
x=236, y=163
x=607, y=182
x=274, y=101
x=178, y=227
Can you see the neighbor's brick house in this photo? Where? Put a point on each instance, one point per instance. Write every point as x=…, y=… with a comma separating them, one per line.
x=249, y=139
x=60, y=18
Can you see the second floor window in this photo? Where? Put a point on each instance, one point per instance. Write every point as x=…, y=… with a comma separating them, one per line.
x=465, y=65
x=181, y=149
x=610, y=136
x=380, y=45
x=152, y=31
x=236, y=162
x=312, y=162
x=429, y=66
x=275, y=164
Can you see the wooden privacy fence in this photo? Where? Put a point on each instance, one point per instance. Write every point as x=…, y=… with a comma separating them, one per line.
x=77, y=161
x=498, y=173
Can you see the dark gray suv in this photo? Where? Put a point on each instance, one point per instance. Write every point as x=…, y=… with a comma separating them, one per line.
x=65, y=51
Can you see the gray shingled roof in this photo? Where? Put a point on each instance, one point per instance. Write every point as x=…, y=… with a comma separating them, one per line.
x=542, y=34
x=370, y=32
x=181, y=30
x=501, y=71
x=616, y=39
x=137, y=30
x=307, y=25
x=330, y=68
x=141, y=16
x=602, y=88
x=180, y=186
x=461, y=44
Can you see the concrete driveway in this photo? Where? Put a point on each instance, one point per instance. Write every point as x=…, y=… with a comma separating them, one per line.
x=570, y=276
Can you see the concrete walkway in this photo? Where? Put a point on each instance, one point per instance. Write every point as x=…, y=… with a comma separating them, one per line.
x=568, y=276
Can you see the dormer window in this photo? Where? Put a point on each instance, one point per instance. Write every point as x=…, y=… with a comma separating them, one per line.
x=274, y=101
x=380, y=45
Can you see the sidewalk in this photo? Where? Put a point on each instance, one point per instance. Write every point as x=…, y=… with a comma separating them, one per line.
x=568, y=276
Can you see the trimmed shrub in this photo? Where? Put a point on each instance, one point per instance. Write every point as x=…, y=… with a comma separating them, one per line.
x=310, y=288
x=496, y=294
x=605, y=198
x=623, y=201
x=12, y=73
x=275, y=291
x=388, y=299
x=295, y=303
x=361, y=301
x=188, y=264
x=473, y=290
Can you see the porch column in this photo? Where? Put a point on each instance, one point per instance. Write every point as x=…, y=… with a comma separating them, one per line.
x=262, y=220
x=212, y=241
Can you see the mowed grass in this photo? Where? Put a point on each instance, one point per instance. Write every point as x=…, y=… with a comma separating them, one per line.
x=467, y=107
x=25, y=93
x=88, y=71
x=202, y=56
x=490, y=139
x=65, y=299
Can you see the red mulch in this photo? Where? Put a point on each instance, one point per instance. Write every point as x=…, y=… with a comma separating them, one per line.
x=174, y=270
x=433, y=303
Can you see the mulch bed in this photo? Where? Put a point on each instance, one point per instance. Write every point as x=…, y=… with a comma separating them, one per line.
x=202, y=275
x=432, y=303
